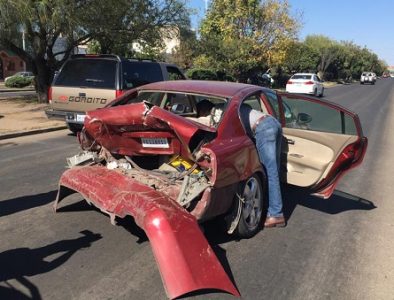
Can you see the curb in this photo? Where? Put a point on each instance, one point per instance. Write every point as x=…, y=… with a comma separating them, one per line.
x=30, y=132
x=16, y=90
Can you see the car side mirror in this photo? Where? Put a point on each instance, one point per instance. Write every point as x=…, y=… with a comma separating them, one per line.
x=303, y=118
x=178, y=108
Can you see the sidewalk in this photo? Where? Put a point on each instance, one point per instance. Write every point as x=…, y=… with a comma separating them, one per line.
x=20, y=117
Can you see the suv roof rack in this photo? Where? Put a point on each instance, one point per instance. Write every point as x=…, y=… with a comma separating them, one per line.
x=95, y=55
x=141, y=59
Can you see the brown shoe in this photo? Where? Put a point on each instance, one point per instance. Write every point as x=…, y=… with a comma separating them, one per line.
x=275, y=222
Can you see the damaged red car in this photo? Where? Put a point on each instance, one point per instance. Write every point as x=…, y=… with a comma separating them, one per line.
x=148, y=155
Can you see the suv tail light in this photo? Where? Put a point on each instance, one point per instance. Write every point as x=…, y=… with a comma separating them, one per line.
x=50, y=95
x=290, y=82
x=119, y=93
x=309, y=82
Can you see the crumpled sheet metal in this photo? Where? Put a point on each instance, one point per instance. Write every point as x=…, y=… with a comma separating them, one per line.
x=105, y=126
x=186, y=261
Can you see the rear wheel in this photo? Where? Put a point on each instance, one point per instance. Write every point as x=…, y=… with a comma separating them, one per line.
x=322, y=92
x=252, y=196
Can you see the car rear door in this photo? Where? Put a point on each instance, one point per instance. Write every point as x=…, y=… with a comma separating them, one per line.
x=322, y=141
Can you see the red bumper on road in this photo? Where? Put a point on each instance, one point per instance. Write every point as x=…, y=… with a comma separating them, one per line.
x=186, y=261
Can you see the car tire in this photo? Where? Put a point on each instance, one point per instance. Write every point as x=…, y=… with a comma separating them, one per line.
x=252, y=194
x=361, y=82
x=322, y=93
x=74, y=128
x=315, y=92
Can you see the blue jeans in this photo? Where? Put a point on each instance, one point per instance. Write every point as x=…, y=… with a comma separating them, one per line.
x=268, y=137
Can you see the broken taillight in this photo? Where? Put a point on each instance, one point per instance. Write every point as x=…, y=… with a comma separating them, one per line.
x=119, y=93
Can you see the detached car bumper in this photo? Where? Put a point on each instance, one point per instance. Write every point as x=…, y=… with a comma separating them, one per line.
x=186, y=261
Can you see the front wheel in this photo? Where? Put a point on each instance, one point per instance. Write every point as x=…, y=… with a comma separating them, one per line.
x=252, y=197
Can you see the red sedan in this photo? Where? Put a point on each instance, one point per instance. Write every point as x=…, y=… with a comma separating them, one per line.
x=148, y=155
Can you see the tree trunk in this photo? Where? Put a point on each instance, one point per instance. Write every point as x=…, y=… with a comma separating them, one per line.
x=43, y=78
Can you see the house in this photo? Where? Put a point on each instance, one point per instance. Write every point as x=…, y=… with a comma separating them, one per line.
x=10, y=63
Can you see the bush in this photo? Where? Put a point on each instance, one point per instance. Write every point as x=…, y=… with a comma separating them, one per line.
x=201, y=74
x=18, y=82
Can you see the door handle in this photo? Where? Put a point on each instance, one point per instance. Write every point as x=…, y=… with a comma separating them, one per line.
x=291, y=142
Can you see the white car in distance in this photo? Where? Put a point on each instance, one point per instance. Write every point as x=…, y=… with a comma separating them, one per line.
x=305, y=83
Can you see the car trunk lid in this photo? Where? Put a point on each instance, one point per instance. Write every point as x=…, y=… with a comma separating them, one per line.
x=143, y=129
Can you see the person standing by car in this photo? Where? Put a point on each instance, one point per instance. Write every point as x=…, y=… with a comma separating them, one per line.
x=267, y=132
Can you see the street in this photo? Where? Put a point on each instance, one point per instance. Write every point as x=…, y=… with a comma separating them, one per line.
x=340, y=248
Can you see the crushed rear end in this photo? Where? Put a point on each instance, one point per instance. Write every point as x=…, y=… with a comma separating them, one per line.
x=148, y=163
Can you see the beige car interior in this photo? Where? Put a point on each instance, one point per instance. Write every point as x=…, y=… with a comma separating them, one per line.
x=311, y=156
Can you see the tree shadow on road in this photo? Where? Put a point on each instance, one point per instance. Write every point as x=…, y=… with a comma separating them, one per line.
x=11, y=206
x=17, y=264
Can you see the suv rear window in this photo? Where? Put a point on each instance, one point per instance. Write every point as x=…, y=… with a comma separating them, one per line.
x=91, y=73
x=136, y=73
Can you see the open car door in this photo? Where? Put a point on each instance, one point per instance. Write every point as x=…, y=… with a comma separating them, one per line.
x=322, y=141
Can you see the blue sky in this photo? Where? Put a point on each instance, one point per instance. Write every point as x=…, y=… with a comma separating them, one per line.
x=367, y=23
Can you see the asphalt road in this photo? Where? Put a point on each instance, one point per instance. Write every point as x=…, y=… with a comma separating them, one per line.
x=341, y=248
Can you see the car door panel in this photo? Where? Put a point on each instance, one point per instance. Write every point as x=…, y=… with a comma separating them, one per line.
x=311, y=154
x=324, y=140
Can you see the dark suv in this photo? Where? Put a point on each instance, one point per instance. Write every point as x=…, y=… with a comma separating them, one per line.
x=87, y=82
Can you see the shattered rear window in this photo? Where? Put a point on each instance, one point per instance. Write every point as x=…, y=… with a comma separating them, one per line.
x=183, y=104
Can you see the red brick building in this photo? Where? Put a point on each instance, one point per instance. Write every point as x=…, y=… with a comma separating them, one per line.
x=10, y=63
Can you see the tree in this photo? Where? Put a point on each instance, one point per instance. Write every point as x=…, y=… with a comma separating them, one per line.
x=110, y=23
x=184, y=54
x=242, y=37
x=301, y=58
x=326, y=48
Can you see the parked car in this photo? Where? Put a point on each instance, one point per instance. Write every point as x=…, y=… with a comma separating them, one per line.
x=87, y=82
x=146, y=155
x=24, y=74
x=305, y=83
x=367, y=77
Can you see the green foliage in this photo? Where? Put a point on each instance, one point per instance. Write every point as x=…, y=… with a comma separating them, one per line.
x=301, y=58
x=240, y=37
x=201, y=74
x=187, y=50
x=18, y=82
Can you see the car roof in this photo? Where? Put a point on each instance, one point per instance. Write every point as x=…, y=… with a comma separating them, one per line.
x=206, y=87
